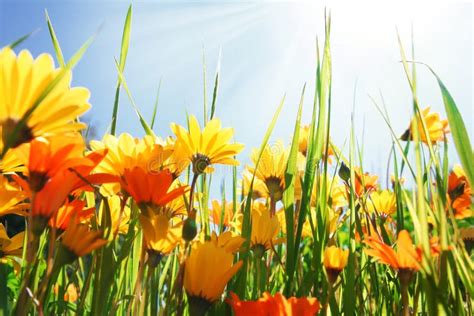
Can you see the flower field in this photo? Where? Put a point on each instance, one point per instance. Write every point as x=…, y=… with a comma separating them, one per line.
x=128, y=225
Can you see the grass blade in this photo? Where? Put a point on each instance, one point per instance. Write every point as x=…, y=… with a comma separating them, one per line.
x=54, y=39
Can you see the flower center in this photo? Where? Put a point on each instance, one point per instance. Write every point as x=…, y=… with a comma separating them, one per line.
x=14, y=135
x=274, y=187
x=200, y=163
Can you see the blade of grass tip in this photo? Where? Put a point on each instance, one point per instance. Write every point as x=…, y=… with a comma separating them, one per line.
x=155, y=106
x=49, y=88
x=246, y=228
x=54, y=39
x=204, y=88
x=458, y=129
x=216, y=86
x=123, y=58
x=17, y=42
x=289, y=193
x=144, y=124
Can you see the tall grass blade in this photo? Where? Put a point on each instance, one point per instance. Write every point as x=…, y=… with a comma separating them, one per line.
x=54, y=39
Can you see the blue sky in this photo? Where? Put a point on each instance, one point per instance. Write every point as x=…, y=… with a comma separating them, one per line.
x=267, y=51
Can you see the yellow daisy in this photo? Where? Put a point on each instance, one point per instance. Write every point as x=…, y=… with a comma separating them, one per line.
x=22, y=81
x=205, y=147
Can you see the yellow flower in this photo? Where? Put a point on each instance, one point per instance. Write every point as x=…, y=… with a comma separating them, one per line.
x=207, y=270
x=265, y=228
x=335, y=193
x=10, y=246
x=383, y=203
x=78, y=240
x=436, y=128
x=206, y=147
x=161, y=236
x=270, y=170
x=127, y=152
x=303, y=142
x=120, y=219
x=335, y=260
x=11, y=198
x=229, y=241
x=22, y=81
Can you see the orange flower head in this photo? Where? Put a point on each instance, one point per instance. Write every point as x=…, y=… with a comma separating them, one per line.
x=406, y=260
x=276, y=305
x=364, y=183
x=69, y=210
x=217, y=210
x=150, y=189
x=459, y=193
x=79, y=240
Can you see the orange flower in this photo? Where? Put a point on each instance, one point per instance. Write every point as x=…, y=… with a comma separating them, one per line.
x=364, y=183
x=45, y=157
x=217, y=210
x=150, y=189
x=276, y=305
x=459, y=193
x=66, y=212
x=77, y=241
x=406, y=260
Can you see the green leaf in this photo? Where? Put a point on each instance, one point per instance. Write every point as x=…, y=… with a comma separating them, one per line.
x=458, y=130
x=57, y=48
x=155, y=106
x=22, y=39
x=145, y=125
x=121, y=66
x=289, y=194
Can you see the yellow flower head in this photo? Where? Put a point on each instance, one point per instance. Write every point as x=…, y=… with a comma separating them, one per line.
x=207, y=270
x=161, y=236
x=78, y=240
x=436, y=128
x=229, y=241
x=335, y=260
x=265, y=228
x=119, y=218
x=11, y=198
x=335, y=193
x=383, y=203
x=205, y=147
x=270, y=170
x=10, y=246
x=303, y=143
x=127, y=152
x=22, y=81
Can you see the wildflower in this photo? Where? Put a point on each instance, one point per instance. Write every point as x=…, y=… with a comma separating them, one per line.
x=222, y=214
x=77, y=241
x=119, y=214
x=303, y=143
x=228, y=240
x=364, y=182
x=22, y=82
x=335, y=193
x=406, y=260
x=45, y=157
x=436, y=128
x=383, y=203
x=265, y=229
x=11, y=198
x=467, y=235
x=335, y=260
x=69, y=210
x=206, y=147
x=150, y=190
x=274, y=305
x=10, y=246
x=459, y=193
x=70, y=295
x=207, y=270
x=161, y=236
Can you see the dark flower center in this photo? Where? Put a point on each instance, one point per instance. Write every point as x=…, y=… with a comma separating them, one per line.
x=14, y=135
